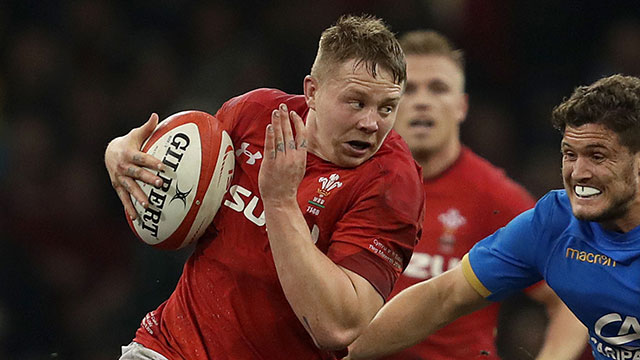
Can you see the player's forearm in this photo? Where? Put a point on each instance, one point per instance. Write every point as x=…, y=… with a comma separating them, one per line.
x=415, y=313
x=320, y=293
x=402, y=322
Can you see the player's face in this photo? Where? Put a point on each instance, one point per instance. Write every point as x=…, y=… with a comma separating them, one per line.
x=433, y=105
x=600, y=176
x=354, y=112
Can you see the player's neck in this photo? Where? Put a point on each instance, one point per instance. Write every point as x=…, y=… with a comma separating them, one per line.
x=434, y=164
x=312, y=143
x=626, y=223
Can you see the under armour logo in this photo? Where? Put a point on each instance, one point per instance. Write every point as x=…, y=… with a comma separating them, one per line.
x=252, y=157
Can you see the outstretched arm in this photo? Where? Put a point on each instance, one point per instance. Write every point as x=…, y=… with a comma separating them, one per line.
x=566, y=336
x=415, y=313
x=333, y=303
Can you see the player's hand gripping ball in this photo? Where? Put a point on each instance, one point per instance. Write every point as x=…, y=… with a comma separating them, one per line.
x=198, y=158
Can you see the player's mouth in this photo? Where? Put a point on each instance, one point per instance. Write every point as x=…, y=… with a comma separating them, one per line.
x=586, y=192
x=422, y=123
x=357, y=147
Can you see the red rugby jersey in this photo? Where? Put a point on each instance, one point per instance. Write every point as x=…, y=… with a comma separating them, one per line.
x=464, y=204
x=228, y=303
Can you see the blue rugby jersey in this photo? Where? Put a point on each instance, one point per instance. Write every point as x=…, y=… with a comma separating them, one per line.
x=596, y=272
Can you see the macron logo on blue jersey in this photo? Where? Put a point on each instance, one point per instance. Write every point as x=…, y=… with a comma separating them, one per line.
x=589, y=257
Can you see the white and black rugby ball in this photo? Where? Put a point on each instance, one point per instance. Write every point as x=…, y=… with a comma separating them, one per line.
x=198, y=158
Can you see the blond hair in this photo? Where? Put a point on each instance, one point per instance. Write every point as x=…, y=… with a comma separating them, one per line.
x=363, y=38
x=429, y=42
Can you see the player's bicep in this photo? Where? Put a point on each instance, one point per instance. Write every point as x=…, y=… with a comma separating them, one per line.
x=366, y=262
x=462, y=293
x=369, y=299
x=472, y=279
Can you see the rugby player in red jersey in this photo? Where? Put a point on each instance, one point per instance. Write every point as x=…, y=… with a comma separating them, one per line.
x=324, y=210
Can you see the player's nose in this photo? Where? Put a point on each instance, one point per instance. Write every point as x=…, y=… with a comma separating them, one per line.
x=369, y=121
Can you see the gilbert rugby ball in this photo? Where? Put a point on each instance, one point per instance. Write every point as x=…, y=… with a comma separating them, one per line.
x=199, y=161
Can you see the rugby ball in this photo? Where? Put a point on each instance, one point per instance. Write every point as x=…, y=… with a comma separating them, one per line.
x=198, y=158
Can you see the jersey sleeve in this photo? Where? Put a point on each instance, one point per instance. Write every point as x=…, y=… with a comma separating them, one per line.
x=251, y=112
x=376, y=237
x=230, y=111
x=249, y=105
x=512, y=258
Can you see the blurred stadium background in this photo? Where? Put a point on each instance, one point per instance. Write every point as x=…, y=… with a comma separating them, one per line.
x=73, y=74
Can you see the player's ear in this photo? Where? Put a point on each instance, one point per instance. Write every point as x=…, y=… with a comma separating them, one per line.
x=463, y=107
x=310, y=86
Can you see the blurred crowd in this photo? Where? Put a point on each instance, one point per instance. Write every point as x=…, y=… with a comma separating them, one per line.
x=75, y=282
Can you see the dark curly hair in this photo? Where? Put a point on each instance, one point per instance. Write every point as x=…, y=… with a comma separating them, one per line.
x=613, y=101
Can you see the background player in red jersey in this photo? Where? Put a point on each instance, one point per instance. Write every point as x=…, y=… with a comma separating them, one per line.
x=339, y=192
x=467, y=199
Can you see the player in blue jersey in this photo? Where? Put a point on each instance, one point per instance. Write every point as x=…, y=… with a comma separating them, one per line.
x=583, y=240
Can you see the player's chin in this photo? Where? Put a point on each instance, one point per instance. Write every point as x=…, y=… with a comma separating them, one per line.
x=584, y=215
x=347, y=161
x=588, y=212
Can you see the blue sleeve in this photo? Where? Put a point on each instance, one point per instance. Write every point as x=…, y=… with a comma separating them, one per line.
x=513, y=257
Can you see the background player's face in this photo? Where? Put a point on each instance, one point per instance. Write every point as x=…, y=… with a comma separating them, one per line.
x=354, y=112
x=433, y=105
x=600, y=175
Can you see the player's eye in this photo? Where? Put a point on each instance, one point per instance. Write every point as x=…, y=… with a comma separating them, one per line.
x=386, y=110
x=410, y=88
x=356, y=104
x=598, y=157
x=439, y=87
x=568, y=155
